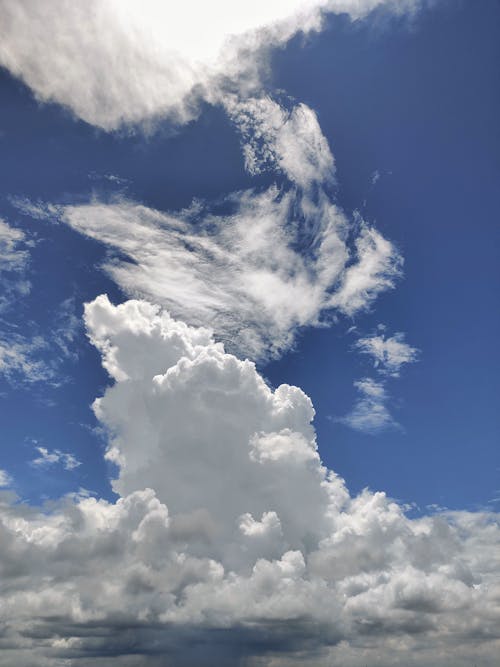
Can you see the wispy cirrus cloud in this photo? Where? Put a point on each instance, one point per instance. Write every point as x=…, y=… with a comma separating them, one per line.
x=20, y=359
x=28, y=358
x=278, y=260
x=14, y=262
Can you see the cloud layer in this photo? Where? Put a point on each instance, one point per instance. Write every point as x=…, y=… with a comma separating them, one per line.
x=247, y=544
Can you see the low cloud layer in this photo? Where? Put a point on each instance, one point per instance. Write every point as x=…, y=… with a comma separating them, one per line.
x=230, y=533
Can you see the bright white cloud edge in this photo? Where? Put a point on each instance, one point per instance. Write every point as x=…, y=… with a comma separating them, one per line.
x=147, y=58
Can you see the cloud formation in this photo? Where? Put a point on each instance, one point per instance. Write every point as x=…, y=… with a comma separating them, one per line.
x=388, y=353
x=28, y=358
x=115, y=62
x=14, y=260
x=247, y=543
x=277, y=260
x=48, y=458
x=370, y=413
x=20, y=360
x=5, y=478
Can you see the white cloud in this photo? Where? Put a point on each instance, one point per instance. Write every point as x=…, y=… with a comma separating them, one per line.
x=14, y=260
x=13, y=257
x=25, y=355
x=48, y=458
x=5, y=479
x=275, y=138
x=114, y=61
x=20, y=359
x=248, y=550
x=26, y=359
x=377, y=267
x=279, y=260
x=370, y=413
x=388, y=353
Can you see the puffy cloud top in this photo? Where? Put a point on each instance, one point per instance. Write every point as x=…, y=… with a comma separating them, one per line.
x=230, y=531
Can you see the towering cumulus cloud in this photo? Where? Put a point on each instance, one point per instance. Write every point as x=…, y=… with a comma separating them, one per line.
x=231, y=535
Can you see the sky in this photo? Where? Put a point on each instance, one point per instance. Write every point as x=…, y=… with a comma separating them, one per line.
x=249, y=324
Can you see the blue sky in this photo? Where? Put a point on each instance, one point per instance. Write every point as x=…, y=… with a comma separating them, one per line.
x=111, y=192
x=412, y=100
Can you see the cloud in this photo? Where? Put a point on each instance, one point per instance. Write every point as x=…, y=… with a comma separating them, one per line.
x=275, y=138
x=248, y=550
x=388, y=353
x=370, y=413
x=378, y=265
x=5, y=478
x=20, y=360
x=26, y=359
x=275, y=261
x=12, y=256
x=126, y=62
x=14, y=261
x=49, y=458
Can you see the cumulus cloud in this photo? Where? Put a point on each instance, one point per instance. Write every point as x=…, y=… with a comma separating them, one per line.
x=388, y=353
x=52, y=457
x=115, y=62
x=370, y=413
x=248, y=550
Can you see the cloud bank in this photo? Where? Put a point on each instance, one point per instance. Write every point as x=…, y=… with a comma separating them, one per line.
x=247, y=545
